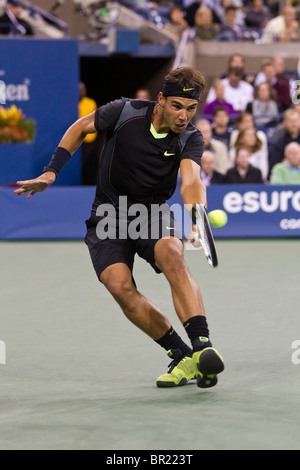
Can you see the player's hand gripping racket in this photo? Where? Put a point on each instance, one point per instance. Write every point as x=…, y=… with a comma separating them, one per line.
x=204, y=237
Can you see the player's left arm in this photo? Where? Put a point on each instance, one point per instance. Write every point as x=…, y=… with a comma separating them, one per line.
x=192, y=189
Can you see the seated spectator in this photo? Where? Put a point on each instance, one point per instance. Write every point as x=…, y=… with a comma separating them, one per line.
x=237, y=92
x=281, y=87
x=219, y=100
x=238, y=61
x=177, y=20
x=230, y=30
x=191, y=9
x=289, y=133
x=257, y=15
x=208, y=173
x=222, y=162
x=280, y=69
x=221, y=5
x=264, y=109
x=243, y=172
x=282, y=28
x=11, y=23
x=258, y=153
x=288, y=171
x=90, y=146
x=206, y=29
x=220, y=126
x=245, y=120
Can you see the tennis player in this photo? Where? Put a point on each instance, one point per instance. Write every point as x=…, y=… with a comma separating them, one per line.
x=146, y=144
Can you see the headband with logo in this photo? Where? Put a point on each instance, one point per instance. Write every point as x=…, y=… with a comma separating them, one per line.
x=173, y=89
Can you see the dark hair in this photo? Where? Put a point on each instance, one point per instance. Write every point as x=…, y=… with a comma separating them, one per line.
x=220, y=108
x=186, y=76
x=235, y=71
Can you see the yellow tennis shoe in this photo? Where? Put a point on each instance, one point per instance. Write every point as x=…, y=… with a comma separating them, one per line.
x=181, y=370
x=208, y=363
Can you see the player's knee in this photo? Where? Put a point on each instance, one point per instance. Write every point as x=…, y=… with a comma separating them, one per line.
x=121, y=290
x=170, y=257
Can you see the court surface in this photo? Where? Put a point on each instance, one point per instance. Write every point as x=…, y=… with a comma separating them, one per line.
x=78, y=375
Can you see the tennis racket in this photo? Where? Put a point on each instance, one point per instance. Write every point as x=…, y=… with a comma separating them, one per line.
x=204, y=236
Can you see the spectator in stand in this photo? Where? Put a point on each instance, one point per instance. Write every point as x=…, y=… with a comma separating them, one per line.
x=206, y=29
x=237, y=91
x=263, y=108
x=222, y=161
x=221, y=5
x=290, y=133
x=90, y=147
x=282, y=28
x=258, y=153
x=244, y=120
x=11, y=23
x=220, y=127
x=230, y=30
x=257, y=15
x=208, y=173
x=280, y=69
x=177, y=20
x=243, y=172
x=288, y=171
x=191, y=9
x=219, y=100
x=238, y=61
x=281, y=87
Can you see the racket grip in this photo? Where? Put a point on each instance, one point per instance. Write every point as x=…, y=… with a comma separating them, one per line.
x=193, y=215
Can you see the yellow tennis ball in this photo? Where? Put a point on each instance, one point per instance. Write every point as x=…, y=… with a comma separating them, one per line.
x=217, y=218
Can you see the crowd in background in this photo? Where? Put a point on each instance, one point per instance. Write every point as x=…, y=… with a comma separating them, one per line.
x=262, y=21
x=251, y=125
x=250, y=122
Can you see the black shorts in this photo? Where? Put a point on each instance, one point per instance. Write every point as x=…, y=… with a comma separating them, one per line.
x=121, y=249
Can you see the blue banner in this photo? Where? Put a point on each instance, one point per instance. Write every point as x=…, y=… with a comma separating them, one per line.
x=254, y=211
x=40, y=77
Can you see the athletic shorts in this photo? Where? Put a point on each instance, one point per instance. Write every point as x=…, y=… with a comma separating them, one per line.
x=129, y=237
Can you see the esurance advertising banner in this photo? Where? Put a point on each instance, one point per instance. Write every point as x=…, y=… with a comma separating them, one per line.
x=254, y=211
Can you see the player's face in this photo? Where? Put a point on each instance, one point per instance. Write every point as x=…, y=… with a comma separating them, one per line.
x=177, y=112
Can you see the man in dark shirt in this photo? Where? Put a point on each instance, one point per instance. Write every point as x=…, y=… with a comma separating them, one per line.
x=146, y=144
x=243, y=172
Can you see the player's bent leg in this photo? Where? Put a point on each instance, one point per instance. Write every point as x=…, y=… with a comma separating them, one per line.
x=207, y=362
x=185, y=291
x=117, y=278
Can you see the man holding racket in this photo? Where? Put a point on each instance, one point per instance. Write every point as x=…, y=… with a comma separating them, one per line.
x=146, y=143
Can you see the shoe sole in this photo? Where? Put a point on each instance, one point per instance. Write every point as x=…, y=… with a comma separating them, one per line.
x=162, y=384
x=209, y=364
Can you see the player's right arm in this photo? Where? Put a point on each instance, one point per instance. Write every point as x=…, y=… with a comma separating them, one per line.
x=68, y=145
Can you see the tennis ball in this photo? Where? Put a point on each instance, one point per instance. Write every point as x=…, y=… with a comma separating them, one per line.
x=217, y=218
